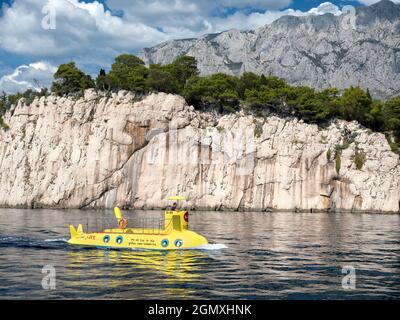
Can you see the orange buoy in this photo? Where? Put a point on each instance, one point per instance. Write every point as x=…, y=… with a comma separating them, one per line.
x=123, y=223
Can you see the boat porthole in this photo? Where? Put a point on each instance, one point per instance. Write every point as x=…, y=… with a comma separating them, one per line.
x=119, y=239
x=106, y=239
x=178, y=243
x=165, y=243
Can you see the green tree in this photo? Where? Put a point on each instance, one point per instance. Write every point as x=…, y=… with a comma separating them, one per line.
x=128, y=72
x=219, y=91
x=391, y=112
x=3, y=102
x=102, y=82
x=248, y=81
x=3, y=125
x=269, y=93
x=374, y=117
x=160, y=80
x=391, y=118
x=29, y=95
x=70, y=80
x=273, y=82
x=137, y=80
x=355, y=103
x=3, y=106
x=262, y=98
x=13, y=98
x=182, y=69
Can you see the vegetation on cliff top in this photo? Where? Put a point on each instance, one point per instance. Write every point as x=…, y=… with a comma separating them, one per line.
x=225, y=94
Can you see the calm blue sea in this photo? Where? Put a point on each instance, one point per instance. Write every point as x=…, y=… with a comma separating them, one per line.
x=252, y=256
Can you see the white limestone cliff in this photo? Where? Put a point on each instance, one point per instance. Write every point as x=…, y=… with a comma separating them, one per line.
x=98, y=151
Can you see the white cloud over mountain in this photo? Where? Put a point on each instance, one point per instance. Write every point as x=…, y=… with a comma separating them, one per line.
x=33, y=76
x=255, y=20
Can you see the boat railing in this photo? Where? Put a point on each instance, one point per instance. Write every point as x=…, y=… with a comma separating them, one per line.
x=149, y=226
x=98, y=225
x=136, y=226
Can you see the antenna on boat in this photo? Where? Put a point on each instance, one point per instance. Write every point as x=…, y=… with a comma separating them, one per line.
x=122, y=222
x=118, y=213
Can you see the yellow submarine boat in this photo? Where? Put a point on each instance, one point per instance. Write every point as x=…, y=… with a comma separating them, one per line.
x=173, y=236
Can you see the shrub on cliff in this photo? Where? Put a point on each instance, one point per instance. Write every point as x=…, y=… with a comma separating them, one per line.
x=375, y=117
x=248, y=81
x=218, y=92
x=6, y=101
x=338, y=160
x=273, y=93
x=391, y=115
x=3, y=125
x=102, y=82
x=160, y=80
x=359, y=159
x=29, y=95
x=181, y=70
x=355, y=104
x=3, y=99
x=311, y=106
x=70, y=80
x=128, y=72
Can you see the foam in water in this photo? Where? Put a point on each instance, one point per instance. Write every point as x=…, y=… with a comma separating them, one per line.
x=57, y=240
x=215, y=246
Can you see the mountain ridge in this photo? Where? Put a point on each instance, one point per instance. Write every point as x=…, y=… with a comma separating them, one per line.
x=319, y=51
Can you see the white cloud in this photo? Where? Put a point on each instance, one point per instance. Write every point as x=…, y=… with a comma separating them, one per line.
x=326, y=7
x=33, y=76
x=255, y=20
x=82, y=29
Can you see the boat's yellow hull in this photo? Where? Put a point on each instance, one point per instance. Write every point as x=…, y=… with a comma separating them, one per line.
x=175, y=235
x=173, y=241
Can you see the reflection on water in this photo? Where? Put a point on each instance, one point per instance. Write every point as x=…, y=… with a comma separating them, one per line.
x=268, y=255
x=123, y=270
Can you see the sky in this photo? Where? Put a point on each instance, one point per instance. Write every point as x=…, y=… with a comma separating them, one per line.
x=38, y=35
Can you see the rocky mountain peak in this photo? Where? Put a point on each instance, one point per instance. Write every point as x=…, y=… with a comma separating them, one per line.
x=319, y=50
x=384, y=5
x=384, y=10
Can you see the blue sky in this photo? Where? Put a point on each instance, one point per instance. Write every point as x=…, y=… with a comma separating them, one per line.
x=92, y=33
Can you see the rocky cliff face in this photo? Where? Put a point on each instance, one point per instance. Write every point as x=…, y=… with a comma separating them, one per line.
x=360, y=49
x=102, y=151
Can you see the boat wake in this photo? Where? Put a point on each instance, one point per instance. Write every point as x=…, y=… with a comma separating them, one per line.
x=33, y=243
x=57, y=240
x=212, y=247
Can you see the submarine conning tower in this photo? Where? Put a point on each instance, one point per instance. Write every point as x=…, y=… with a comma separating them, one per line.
x=176, y=218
